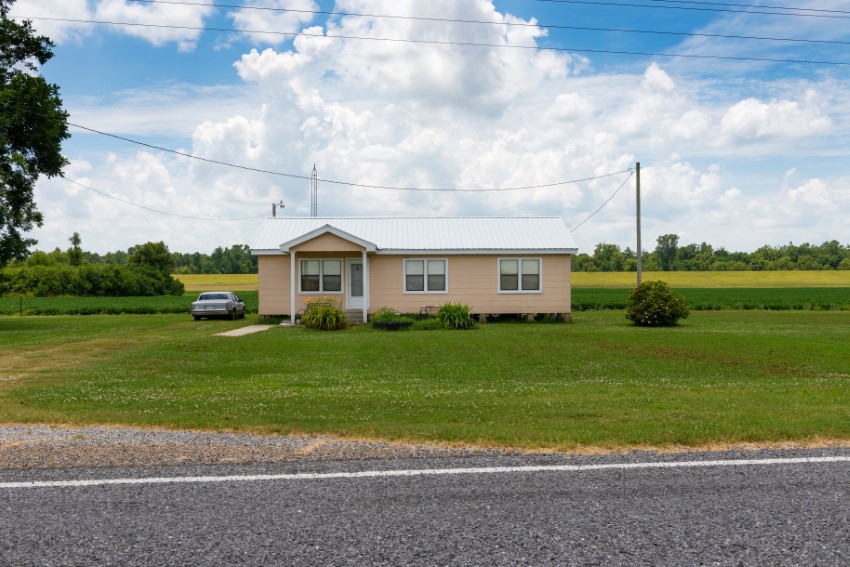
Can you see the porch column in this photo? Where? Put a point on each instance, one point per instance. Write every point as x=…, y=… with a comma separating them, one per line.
x=292, y=287
x=365, y=286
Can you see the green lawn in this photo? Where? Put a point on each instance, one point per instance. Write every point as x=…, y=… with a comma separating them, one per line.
x=722, y=376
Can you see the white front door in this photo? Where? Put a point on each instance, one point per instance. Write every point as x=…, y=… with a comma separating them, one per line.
x=354, y=284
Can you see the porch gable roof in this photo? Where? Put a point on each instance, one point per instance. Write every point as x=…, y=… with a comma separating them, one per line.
x=327, y=229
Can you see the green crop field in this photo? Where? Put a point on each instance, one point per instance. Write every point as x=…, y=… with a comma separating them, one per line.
x=583, y=299
x=109, y=305
x=779, y=279
x=815, y=299
x=720, y=377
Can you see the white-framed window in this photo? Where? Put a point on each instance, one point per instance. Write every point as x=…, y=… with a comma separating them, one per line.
x=321, y=276
x=426, y=275
x=520, y=275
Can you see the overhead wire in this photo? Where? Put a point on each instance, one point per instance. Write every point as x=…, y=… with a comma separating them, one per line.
x=766, y=7
x=166, y=213
x=712, y=6
x=348, y=183
x=575, y=228
x=839, y=15
x=332, y=13
x=722, y=7
x=454, y=43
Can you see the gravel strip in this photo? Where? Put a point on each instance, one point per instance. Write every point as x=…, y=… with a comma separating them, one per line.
x=47, y=447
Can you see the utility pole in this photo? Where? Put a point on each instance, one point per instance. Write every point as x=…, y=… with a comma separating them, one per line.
x=314, y=193
x=637, y=200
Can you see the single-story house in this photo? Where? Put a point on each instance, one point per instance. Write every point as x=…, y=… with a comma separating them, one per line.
x=496, y=265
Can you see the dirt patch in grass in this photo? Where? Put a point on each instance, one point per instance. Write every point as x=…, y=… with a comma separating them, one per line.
x=28, y=362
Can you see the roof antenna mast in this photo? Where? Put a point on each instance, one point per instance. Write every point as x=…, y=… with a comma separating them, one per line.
x=314, y=193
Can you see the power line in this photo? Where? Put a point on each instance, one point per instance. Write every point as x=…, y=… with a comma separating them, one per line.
x=694, y=8
x=166, y=213
x=724, y=7
x=575, y=228
x=457, y=43
x=350, y=184
x=729, y=4
x=508, y=24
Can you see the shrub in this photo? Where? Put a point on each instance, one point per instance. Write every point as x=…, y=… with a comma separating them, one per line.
x=325, y=315
x=455, y=316
x=389, y=319
x=428, y=325
x=652, y=304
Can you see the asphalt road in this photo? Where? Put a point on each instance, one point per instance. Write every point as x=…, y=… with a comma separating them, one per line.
x=769, y=513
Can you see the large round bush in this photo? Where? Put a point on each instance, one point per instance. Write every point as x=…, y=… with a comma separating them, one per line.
x=652, y=304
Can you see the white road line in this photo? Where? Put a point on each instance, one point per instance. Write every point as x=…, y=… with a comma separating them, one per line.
x=424, y=472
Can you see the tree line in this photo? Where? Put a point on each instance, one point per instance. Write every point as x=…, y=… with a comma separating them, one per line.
x=669, y=256
x=146, y=270
x=236, y=259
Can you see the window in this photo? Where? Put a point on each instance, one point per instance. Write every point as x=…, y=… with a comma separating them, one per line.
x=331, y=275
x=518, y=275
x=323, y=276
x=425, y=276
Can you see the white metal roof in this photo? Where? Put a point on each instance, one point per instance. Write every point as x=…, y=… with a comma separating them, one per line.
x=423, y=234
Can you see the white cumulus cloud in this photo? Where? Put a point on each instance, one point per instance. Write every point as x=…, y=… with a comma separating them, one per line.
x=54, y=11
x=752, y=119
x=281, y=16
x=163, y=23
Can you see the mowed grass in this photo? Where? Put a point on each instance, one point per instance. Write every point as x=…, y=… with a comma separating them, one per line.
x=721, y=377
x=774, y=279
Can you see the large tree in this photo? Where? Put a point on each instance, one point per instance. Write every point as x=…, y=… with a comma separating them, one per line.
x=668, y=245
x=32, y=127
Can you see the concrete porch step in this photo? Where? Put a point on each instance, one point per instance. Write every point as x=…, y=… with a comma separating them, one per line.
x=354, y=315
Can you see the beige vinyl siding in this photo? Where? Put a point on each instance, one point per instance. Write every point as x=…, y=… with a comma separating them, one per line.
x=327, y=243
x=472, y=279
x=274, y=277
x=273, y=284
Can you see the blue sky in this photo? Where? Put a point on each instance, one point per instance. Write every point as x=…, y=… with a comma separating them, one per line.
x=735, y=152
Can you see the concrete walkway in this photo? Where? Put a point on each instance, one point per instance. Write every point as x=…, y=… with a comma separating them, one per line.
x=245, y=331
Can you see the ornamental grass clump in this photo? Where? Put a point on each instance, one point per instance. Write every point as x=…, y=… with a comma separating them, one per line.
x=455, y=316
x=324, y=314
x=652, y=304
x=389, y=319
